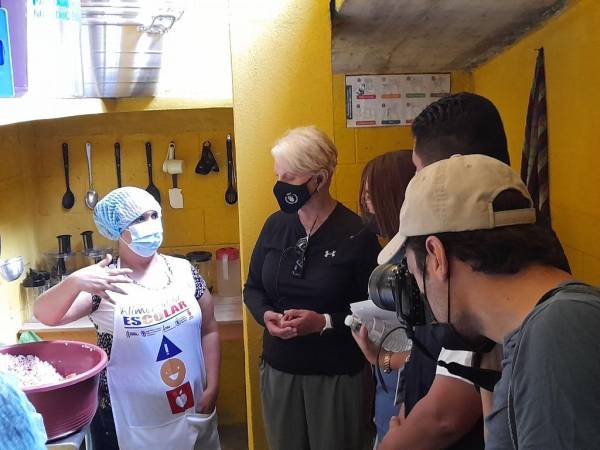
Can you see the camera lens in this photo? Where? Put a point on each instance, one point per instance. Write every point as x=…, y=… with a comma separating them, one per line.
x=382, y=285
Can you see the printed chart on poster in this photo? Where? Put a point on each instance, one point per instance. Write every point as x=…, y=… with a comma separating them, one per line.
x=391, y=100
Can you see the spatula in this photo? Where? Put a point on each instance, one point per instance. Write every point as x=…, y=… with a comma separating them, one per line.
x=152, y=189
x=175, y=195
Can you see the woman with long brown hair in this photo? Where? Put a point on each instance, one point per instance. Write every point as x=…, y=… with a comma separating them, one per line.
x=384, y=180
x=382, y=185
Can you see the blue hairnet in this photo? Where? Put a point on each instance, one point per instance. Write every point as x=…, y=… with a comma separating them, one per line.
x=115, y=212
x=21, y=426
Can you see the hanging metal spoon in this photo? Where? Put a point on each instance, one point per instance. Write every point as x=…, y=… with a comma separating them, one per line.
x=91, y=196
x=68, y=199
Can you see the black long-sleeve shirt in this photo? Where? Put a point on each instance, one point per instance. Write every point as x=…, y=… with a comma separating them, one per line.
x=339, y=259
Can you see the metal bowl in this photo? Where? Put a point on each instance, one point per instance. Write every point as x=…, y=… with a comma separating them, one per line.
x=11, y=269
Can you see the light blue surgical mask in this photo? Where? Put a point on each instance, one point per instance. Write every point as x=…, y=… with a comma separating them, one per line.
x=146, y=237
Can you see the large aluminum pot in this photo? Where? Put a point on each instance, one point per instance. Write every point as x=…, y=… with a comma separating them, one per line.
x=122, y=43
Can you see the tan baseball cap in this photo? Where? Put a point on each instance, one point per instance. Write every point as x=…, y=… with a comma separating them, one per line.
x=456, y=194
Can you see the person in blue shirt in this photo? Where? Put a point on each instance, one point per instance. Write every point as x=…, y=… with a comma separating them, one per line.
x=21, y=427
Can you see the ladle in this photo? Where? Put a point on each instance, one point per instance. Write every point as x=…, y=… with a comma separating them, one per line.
x=68, y=199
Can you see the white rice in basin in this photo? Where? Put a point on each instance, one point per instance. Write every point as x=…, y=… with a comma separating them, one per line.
x=29, y=370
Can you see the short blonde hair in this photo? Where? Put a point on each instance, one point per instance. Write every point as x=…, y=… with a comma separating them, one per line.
x=306, y=150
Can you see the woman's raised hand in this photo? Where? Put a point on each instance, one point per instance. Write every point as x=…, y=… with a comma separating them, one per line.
x=97, y=279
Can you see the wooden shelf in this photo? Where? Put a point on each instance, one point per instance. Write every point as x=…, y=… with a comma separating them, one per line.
x=28, y=108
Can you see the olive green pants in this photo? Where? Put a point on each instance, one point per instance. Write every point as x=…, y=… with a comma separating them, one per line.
x=316, y=412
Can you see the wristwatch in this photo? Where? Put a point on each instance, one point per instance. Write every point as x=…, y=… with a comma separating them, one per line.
x=387, y=359
x=328, y=325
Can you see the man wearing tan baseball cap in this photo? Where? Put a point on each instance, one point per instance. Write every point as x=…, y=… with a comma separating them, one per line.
x=486, y=269
x=455, y=190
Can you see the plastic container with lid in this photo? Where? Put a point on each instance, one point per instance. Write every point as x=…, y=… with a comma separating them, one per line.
x=229, y=283
x=63, y=262
x=203, y=263
x=34, y=285
x=95, y=255
x=91, y=254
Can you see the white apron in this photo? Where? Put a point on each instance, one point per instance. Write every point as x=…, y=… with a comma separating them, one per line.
x=156, y=372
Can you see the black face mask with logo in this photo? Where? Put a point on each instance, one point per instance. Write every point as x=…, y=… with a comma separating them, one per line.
x=291, y=197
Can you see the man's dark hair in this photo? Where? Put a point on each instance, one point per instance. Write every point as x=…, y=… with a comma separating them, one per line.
x=498, y=251
x=462, y=123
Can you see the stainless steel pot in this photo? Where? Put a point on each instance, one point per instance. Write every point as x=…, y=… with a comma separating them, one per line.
x=122, y=44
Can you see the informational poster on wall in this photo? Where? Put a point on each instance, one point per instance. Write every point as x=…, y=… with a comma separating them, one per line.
x=391, y=100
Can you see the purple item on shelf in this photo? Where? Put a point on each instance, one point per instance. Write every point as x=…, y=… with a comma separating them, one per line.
x=17, y=23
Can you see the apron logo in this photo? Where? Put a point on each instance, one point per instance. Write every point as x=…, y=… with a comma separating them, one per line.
x=173, y=372
x=330, y=253
x=181, y=398
x=167, y=350
x=143, y=317
x=150, y=332
x=291, y=199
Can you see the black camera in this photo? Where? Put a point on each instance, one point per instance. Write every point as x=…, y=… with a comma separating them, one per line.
x=393, y=288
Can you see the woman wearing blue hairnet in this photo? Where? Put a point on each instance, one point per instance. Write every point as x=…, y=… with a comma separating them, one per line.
x=154, y=317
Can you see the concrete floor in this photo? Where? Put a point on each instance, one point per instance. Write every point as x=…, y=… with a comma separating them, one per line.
x=232, y=437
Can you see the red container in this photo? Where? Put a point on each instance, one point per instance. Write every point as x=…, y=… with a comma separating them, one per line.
x=71, y=404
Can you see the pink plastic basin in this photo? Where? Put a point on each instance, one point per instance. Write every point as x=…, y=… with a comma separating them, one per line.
x=71, y=404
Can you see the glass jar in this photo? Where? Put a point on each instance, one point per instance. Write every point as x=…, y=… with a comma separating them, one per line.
x=34, y=285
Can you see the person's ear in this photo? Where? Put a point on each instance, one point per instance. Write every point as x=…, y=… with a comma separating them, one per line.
x=321, y=179
x=126, y=236
x=437, y=261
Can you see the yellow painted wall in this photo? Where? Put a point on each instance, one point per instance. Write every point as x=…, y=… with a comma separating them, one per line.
x=281, y=62
x=32, y=186
x=205, y=221
x=571, y=43
x=16, y=218
x=357, y=146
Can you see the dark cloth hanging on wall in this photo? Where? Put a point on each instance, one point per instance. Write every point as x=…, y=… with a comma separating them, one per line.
x=534, y=162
